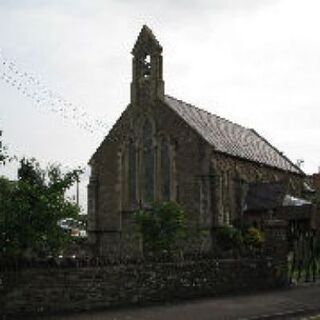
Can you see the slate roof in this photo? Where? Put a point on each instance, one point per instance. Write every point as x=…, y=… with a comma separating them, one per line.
x=230, y=138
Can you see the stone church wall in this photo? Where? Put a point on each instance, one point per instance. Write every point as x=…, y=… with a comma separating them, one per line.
x=52, y=286
x=204, y=182
x=233, y=173
x=111, y=214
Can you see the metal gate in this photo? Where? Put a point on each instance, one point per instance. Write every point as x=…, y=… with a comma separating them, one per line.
x=304, y=252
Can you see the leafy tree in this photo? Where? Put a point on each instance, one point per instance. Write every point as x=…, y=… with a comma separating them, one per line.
x=3, y=154
x=31, y=207
x=162, y=228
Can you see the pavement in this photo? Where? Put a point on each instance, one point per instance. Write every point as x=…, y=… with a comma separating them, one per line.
x=292, y=303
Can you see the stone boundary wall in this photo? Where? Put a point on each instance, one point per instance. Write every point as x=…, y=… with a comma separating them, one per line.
x=38, y=291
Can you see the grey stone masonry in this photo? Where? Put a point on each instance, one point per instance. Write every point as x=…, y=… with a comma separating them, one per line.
x=36, y=291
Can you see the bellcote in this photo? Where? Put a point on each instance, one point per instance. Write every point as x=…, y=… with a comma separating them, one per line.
x=147, y=81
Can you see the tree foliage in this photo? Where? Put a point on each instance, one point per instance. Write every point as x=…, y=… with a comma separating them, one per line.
x=162, y=228
x=2, y=156
x=253, y=238
x=31, y=207
x=229, y=237
x=246, y=241
x=3, y=152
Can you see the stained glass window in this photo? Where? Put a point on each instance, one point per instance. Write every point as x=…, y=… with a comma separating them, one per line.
x=165, y=170
x=132, y=174
x=147, y=162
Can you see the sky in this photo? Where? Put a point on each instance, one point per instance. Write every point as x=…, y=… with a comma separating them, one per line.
x=254, y=62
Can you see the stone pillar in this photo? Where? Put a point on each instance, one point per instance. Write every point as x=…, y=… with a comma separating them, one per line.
x=276, y=248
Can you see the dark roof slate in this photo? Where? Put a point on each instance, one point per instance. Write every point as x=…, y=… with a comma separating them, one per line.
x=231, y=138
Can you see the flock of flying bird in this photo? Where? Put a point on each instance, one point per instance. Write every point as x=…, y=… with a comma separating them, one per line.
x=31, y=86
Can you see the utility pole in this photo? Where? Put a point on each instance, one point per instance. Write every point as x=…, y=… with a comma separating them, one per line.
x=77, y=192
x=300, y=162
x=0, y=141
x=2, y=154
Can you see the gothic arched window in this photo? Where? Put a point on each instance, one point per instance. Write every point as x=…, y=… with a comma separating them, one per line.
x=132, y=173
x=147, y=162
x=165, y=170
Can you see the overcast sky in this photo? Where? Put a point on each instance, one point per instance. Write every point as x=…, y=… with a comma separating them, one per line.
x=254, y=62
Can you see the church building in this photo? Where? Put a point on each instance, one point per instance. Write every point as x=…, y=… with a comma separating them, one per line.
x=164, y=149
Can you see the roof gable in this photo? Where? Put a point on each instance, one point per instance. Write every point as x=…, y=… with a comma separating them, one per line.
x=230, y=138
x=146, y=40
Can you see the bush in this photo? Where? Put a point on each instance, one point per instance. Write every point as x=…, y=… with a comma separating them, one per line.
x=228, y=238
x=162, y=228
x=253, y=238
x=246, y=242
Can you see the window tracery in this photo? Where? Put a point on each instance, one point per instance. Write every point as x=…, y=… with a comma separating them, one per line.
x=132, y=172
x=148, y=166
x=165, y=170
